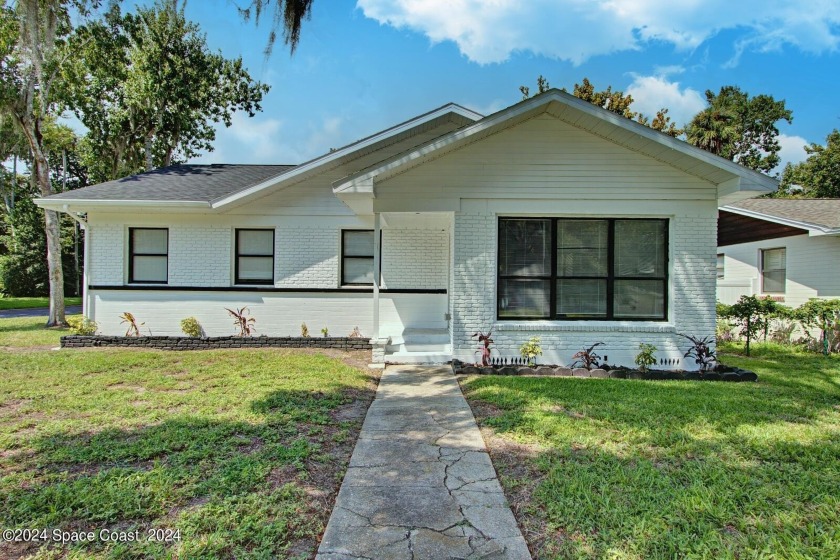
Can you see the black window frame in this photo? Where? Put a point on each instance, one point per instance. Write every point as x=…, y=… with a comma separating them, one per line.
x=610, y=278
x=762, y=270
x=131, y=256
x=236, y=279
x=341, y=271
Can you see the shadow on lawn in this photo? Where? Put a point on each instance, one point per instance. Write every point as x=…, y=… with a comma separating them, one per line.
x=233, y=488
x=669, y=469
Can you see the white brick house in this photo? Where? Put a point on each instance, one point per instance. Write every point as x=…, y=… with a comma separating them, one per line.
x=552, y=217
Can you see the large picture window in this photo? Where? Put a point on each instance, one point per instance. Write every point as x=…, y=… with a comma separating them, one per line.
x=557, y=268
x=773, y=270
x=254, y=256
x=148, y=255
x=357, y=257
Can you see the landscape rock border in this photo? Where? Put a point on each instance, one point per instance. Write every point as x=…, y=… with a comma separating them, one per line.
x=214, y=342
x=730, y=374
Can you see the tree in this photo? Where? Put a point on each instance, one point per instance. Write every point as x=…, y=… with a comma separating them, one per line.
x=748, y=311
x=740, y=128
x=287, y=15
x=149, y=90
x=613, y=101
x=819, y=174
x=32, y=34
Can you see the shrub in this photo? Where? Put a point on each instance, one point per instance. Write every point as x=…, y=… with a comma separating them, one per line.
x=645, y=358
x=355, y=333
x=748, y=312
x=325, y=331
x=823, y=314
x=191, y=327
x=530, y=350
x=304, y=330
x=701, y=351
x=82, y=326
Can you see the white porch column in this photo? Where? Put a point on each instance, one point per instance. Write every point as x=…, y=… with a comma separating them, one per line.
x=377, y=259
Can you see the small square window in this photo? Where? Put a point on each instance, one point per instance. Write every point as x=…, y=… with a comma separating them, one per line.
x=254, y=256
x=773, y=270
x=148, y=255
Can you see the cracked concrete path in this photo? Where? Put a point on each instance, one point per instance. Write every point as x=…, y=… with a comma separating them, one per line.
x=420, y=484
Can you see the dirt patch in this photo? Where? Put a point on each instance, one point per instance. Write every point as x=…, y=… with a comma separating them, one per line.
x=355, y=410
x=136, y=388
x=515, y=465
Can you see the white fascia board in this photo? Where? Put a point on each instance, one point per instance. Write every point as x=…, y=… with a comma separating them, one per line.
x=83, y=205
x=326, y=159
x=752, y=180
x=813, y=229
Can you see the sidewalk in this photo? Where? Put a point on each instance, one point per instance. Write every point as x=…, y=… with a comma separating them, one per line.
x=420, y=482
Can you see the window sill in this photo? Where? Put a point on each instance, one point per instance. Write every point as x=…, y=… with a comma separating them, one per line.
x=585, y=326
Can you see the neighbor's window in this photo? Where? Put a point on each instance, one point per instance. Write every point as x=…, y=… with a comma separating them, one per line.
x=720, y=265
x=357, y=257
x=556, y=268
x=773, y=271
x=148, y=255
x=254, y=256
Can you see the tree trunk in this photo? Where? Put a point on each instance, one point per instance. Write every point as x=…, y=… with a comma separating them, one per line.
x=41, y=174
x=149, y=161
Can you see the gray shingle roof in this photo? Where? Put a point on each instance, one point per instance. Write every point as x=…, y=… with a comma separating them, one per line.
x=823, y=212
x=202, y=183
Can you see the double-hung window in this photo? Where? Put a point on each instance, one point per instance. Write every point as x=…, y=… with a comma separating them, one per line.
x=148, y=255
x=254, y=256
x=557, y=268
x=357, y=257
x=773, y=270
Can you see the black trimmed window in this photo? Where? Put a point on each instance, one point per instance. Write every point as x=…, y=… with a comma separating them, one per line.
x=254, y=256
x=357, y=257
x=148, y=255
x=773, y=270
x=582, y=269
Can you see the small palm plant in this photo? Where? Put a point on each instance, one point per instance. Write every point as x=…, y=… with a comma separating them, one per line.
x=133, y=328
x=241, y=320
x=646, y=356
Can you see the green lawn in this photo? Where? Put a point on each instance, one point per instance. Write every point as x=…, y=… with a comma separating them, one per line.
x=604, y=468
x=241, y=452
x=30, y=302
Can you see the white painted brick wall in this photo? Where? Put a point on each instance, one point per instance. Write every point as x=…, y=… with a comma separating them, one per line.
x=106, y=243
x=691, y=311
x=200, y=255
x=307, y=257
x=415, y=259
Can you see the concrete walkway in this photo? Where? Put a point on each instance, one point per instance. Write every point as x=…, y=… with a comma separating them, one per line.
x=420, y=483
x=37, y=312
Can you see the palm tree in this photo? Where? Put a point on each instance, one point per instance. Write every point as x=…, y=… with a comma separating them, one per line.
x=712, y=130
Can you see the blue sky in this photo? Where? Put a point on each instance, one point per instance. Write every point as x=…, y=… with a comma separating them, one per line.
x=365, y=65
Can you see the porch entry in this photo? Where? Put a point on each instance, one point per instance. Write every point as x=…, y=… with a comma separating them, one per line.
x=410, y=270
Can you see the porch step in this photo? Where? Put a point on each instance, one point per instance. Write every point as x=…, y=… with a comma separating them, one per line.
x=418, y=357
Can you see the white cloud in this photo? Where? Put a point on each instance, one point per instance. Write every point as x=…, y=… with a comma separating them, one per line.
x=267, y=140
x=792, y=151
x=489, y=108
x=489, y=31
x=651, y=93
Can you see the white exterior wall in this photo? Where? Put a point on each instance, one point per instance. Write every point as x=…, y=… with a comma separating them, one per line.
x=307, y=256
x=813, y=269
x=546, y=167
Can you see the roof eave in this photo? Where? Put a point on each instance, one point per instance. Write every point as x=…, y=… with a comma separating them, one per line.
x=84, y=205
x=813, y=229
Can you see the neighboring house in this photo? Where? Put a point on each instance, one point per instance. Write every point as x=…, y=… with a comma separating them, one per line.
x=788, y=249
x=551, y=218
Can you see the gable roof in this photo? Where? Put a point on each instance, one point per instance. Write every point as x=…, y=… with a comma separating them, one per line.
x=734, y=181
x=231, y=183
x=819, y=216
x=178, y=184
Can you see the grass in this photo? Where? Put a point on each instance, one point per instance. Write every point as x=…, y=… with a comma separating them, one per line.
x=656, y=469
x=240, y=452
x=31, y=302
